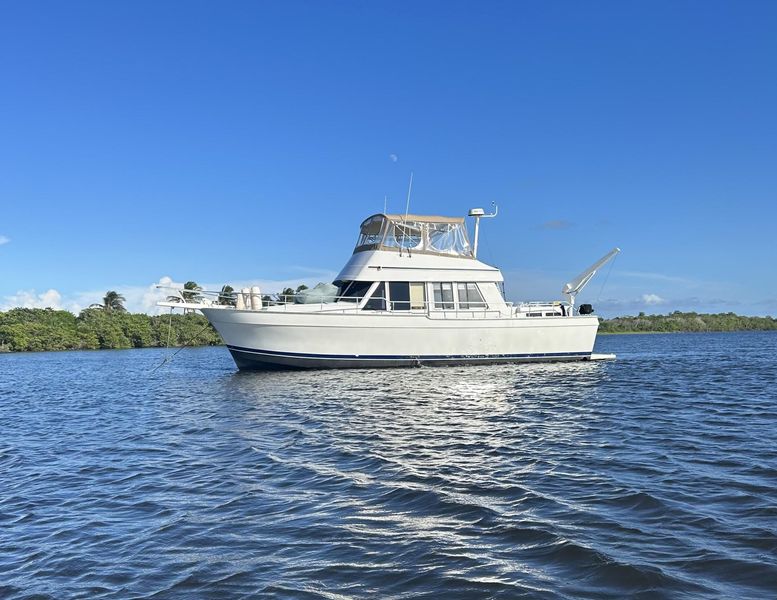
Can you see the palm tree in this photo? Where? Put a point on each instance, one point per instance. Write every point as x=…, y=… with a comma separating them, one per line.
x=227, y=296
x=190, y=292
x=113, y=301
x=287, y=295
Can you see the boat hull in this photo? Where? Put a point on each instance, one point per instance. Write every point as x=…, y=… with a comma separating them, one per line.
x=319, y=340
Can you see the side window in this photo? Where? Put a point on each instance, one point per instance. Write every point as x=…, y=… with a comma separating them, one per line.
x=474, y=297
x=443, y=295
x=378, y=299
x=399, y=292
x=469, y=296
x=463, y=302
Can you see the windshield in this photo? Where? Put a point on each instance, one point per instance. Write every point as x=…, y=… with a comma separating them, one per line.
x=352, y=291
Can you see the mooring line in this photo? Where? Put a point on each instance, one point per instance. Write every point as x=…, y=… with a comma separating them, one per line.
x=167, y=359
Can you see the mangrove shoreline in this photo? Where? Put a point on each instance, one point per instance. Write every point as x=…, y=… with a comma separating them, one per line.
x=38, y=329
x=45, y=329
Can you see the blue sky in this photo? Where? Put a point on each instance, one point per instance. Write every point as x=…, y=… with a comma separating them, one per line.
x=241, y=141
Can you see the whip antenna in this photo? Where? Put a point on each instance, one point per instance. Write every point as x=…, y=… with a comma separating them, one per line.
x=407, y=210
x=409, y=189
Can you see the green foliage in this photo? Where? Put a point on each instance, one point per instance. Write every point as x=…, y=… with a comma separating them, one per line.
x=685, y=322
x=227, y=296
x=113, y=301
x=38, y=329
x=287, y=295
x=30, y=329
x=190, y=293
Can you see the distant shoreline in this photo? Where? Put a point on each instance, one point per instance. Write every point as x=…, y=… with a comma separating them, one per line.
x=600, y=332
x=685, y=322
x=45, y=329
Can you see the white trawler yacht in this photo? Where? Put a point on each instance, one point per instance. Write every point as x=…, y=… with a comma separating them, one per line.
x=413, y=293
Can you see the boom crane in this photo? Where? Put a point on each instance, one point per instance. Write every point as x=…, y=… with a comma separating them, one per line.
x=574, y=287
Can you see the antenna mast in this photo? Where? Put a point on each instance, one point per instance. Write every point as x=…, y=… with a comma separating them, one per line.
x=409, y=189
x=404, y=221
x=479, y=213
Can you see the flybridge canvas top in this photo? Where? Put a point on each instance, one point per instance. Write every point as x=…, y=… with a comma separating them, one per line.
x=446, y=236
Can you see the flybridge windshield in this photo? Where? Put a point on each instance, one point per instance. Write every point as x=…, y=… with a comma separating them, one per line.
x=431, y=235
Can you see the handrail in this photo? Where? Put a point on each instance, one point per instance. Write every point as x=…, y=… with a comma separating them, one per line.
x=355, y=304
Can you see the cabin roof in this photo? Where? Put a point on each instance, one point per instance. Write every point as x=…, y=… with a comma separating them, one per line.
x=415, y=218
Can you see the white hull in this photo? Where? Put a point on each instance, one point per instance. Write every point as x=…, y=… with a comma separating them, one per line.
x=292, y=339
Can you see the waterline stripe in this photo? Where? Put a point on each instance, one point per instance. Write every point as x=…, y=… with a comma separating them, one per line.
x=405, y=356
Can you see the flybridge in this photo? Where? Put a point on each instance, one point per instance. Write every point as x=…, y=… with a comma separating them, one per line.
x=444, y=236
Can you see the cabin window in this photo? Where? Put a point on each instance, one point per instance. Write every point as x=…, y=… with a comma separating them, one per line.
x=399, y=294
x=551, y=314
x=534, y=314
x=353, y=291
x=443, y=295
x=417, y=295
x=469, y=296
x=378, y=299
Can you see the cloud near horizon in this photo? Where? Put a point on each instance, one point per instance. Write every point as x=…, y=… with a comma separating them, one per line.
x=31, y=299
x=143, y=299
x=652, y=299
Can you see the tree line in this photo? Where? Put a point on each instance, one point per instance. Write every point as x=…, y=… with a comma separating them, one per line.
x=31, y=329
x=685, y=322
x=108, y=325
x=101, y=326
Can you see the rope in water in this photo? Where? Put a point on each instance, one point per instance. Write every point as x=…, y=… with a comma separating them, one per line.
x=167, y=359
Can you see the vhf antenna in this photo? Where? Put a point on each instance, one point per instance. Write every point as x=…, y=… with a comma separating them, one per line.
x=407, y=210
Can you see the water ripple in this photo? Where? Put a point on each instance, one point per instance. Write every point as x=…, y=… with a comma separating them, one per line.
x=654, y=476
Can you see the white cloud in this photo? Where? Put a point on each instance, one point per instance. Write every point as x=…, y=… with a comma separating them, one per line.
x=31, y=299
x=4, y=240
x=393, y=157
x=652, y=299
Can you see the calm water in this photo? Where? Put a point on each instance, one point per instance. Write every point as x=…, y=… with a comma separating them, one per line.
x=653, y=476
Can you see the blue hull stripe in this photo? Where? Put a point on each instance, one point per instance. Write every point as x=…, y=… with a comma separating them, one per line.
x=407, y=356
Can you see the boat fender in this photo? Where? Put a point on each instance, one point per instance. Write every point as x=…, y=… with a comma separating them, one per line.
x=256, y=298
x=240, y=303
x=246, y=294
